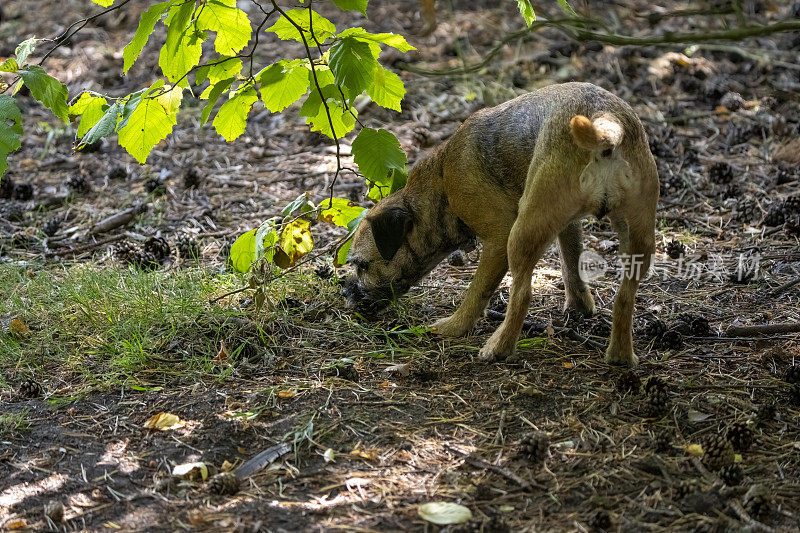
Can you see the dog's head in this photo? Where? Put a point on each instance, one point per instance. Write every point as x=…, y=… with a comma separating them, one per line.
x=392, y=249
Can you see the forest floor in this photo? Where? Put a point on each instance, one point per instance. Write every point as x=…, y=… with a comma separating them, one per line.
x=369, y=419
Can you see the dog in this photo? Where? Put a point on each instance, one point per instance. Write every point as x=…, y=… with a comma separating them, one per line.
x=518, y=176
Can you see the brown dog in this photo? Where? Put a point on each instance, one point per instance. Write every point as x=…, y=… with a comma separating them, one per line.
x=518, y=175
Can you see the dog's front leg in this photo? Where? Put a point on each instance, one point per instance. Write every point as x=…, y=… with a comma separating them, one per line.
x=491, y=269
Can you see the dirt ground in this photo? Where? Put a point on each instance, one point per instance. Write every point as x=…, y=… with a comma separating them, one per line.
x=378, y=416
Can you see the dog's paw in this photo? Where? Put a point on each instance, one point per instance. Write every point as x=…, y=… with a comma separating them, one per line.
x=495, y=351
x=450, y=327
x=615, y=356
x=580, y=302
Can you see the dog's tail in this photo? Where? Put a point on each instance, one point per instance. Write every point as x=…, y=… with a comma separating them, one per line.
x=603, y=133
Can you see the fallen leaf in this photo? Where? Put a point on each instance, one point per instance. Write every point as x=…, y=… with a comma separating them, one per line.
x=164, y=421
x=367, y=455
x=19, y=327
x=222, y=355
x=17, y=524
x=402, y=369
x=328, y=456
x=286, y=394
x=191, y=471
x=697, y=416
x=227, y=466
x=444, y=513
x=695, y=450
x=567, y=364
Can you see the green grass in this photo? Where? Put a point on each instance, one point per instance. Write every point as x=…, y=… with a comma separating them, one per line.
x=11, y=423
x=110, y=326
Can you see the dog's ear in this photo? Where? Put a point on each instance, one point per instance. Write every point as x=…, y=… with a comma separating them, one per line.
x=389, y=229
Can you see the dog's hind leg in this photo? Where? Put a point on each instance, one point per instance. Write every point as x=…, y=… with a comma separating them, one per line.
x=490, y=272
x=579, y=298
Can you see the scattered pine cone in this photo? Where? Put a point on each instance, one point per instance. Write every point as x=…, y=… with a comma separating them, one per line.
x=224, y=484
x=159, y=247
x=792, y=225
x=732, y=475
x=600, y=520
x=133, y=256
x=52, y=226
x=324, y=271
x=30, y=388
x=657, y=399
x=694, y=325
x=628, y=381
x=791, y=206
x=187, y=247
x=687, y=487
x=732, y=101
x=118, y=173
x=717, y=452
x=785, y=174
x=740, y=436
x=742, y=274
x=766, y=413
x=457, y=258
x=675, y=249
x=655, y=328
x=671, y=183
x=6, y=188
x=662, y=441
x=671, y=339
x=23, y=192
x=191, y=179
x=775, y=216
x=155, y=186
x=732, y=190
x=721, y=173
x=78, y=183
x=792, y=374
x=747, y=210
x=600, y=328
x=534, y=446
x=757, y=501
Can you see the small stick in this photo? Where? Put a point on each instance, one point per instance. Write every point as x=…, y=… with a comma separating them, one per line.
x=116, y=220
x=476, y=461
x=762, y=329
x=785, y=287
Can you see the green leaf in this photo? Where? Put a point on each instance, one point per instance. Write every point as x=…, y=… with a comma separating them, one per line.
x=340, y=211
x=222, y=69
x=91, y=108
x=243, y=251
x=352, y=5
x=344, y=248
x=129, y=105
x=9, y=65
x=394, y=182
x=45, y=88
x=213, y=95
x=10, y=129
x=284, y=29
x=302, y=203
x=24, y=49
x=104, y=127
x=150, y=123
x=380, y=159
x=352, y=63
x=387, y=89
x=266, y=238
x=232, y=116
x=389, y=39
x=565, y=7
x=146, y=24
x=282, y=84
x=342, y=121
x=231, y=24
x=295, y=241
x=184, y=45
x=103, y=3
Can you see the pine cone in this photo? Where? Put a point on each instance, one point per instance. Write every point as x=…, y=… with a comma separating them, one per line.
x=671, y=340
x=657, y=399
x=785, y=174
x=747, y=210
x=694, y=325
x=662, y=441
x=155, y=186
x=740, y=436
x=757, y=501
x=78, y=183
x=732, y=475
x=600, y=520
x=628, y=381
x=766, y=413
x=600, y=328
x=159, y=247
x=791, y=206
x=732, y=190
x=54, y=510
x=675, y=249
x=124, y=252
x=145, y=260
x=732, y=101
x=30, y=388
x=6, y=188
x=720, y=173
x=457, y=259
x=118, y=173
x=191, y=179
x=52, y=226
x=717, y=452
x=224, y=484
x=792, y=374
x=670, y=183
x=792, y=225
x=534, y=446
x=324, y=271
x=23, y=192
x=775, y=216
x=687, y=487
x=655, y=328
x=187, y=247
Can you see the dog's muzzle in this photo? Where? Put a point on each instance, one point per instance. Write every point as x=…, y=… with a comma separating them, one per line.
x=374, y=300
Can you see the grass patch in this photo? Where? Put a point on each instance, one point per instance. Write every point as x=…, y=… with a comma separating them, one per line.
x=11, y=423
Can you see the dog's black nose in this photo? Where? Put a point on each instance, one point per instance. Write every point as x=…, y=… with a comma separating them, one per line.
x=353, y=293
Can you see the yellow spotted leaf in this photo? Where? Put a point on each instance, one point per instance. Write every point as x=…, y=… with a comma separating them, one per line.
x=164, y=421
x=295, y=242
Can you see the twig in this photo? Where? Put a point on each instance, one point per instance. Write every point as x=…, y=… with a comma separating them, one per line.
x=88, y=247
x=478, y=462
x=116, y=220
x=763, y=329
x=785, y=287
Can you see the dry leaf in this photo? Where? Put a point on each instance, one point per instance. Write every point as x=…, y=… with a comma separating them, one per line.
x=192, y=471
x=19, y=327
x=17, y=524
x=695, y=450
x=367, y=455
x=222, y=354
x=567, y=364
x=164, y=421
x=227, y=466
x=286, y=394
x=444, y=513
x=328, y=456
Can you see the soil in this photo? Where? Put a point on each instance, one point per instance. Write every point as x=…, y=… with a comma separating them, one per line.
x=411, y=418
